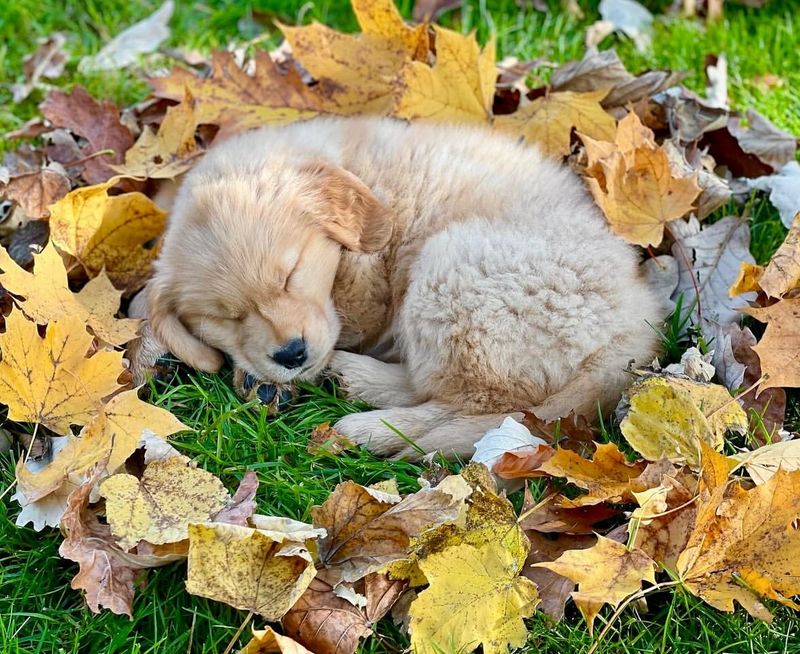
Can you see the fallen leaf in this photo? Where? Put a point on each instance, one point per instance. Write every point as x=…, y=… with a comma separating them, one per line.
x=548, y=121
x=159, y=507
x=509, y=438
x=748, y=279
x=693, y=364
x=381, y=592
x=326, y=439
x=782, y=189
x=125, y=49
x=669, y=417
x=744, y=546
x=97, y=122
x=764, y=462
x=523, y=464
x=242, y=505
x=782, y=274
x=366, y=530
x=247, y=568
x=169, y=152
x=475, y=597
x=606, y=573
x=267, y=640
x=35, y=191
x=47, y=61
x=714, y=190
x=761, y=138
x=556, y=514
x=48, y=297
x=112, y=233
x=50, y=380
x=459, y=86
x=779, y=347
x=427, y=10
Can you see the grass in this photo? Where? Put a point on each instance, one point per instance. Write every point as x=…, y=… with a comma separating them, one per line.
x=39, y=613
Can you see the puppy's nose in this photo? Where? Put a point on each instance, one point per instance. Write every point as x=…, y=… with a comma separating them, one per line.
x=291, y=355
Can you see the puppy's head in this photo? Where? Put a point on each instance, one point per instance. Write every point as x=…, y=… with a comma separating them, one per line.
x=248, y=264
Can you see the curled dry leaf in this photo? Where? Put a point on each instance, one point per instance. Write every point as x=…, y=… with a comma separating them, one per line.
x=606, y=573
x=556, y=514
x=47, y=297
x=247, y=568
x=47, y=61
x=159, y=507
x=765, y=461
x=267, y=641
x=366, y=529
x=782, y=188
x=522, y=464
x=669, y=417
x=548, y=121
x=325, y=439
x=475, y=597
x=34, y=191
x=508, y=442
x=779, y=348
x=761, y=138
x=116, y=234
x=782, y=274
x=50, y=380
x=242, y=505
x=97, y=122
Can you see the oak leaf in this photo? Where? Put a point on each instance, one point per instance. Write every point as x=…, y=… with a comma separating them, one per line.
x=606, y=573
x=779, y=347
x=159, y=507
x=475, y=597
x=247, y=568
x=669, y=416
x=47, y=296
x=459, y=87
x=548, y=121
x=112, y=233
x=50, y=380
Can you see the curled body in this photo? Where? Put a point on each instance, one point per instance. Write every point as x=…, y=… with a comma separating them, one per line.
x=447, y=275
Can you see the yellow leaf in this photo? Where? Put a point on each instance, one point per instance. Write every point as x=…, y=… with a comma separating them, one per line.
x=779, y=347
x=267, y=640
x=381, y=18
x=48, y=298
x=237, y=101
x=111, y=233
x=748, y=279
x=247, y=568
x=114, y=433
x=744, y=546
x=782, y=274
x=606, y=573
x=171, y=151
x=50, y=380
x=159, y=507
x=548, y=121
x=459, y=87
x=476, y=597
x=670, y=416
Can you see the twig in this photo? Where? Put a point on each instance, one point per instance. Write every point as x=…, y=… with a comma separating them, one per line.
x=689, y=268
x=24, y=461
x=238, y=633
x=736, y=398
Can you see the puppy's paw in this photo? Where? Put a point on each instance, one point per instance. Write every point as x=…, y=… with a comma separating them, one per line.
x=148, y=358
x=369, y=431
x=274, y=396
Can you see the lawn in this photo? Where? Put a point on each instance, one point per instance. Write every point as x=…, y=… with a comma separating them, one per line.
x=38, y=610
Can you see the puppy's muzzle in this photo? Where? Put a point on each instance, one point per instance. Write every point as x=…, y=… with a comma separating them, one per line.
x=292, y=355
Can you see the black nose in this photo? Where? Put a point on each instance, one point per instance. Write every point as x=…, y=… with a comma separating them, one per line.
x=291, y=355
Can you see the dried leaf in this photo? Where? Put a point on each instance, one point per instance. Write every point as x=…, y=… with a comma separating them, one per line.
x=112, y=233
x=266, y=641
x=48, y=61
x=763, y=463
x=782, y=274
x=242, y=505
x=779, y=348
x=247, y=568
x=556, y=514
x=35, y=191
x=427, y=10
x=782, y=189
x=48, y=297
x=629, y=17
x=510, y=438
x=326, y=439
x=669, y=417
x=50, y=380
x=761, y=138
x=606, y=574
x=523, y=464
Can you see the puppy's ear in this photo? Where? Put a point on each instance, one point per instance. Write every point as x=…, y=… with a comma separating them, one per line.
x=172, y=333
x=349, y=212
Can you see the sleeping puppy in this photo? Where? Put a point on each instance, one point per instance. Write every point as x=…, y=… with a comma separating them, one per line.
x=447, y=275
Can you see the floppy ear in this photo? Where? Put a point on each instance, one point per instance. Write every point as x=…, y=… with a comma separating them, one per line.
x=173, y=334
x=349, y=212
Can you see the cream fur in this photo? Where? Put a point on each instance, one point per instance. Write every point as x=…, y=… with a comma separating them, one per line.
x=483, y=270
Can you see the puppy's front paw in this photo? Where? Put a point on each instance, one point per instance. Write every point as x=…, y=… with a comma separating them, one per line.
x=274, y=396
x=148, y=358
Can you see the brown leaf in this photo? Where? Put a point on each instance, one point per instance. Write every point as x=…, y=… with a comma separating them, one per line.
x=761, y=138
x=779, y=348
x=324, y=622
x=782, y=274
x=242, y=505
x=427, y=10
x=47, y=61
x=522, y=464
x=558, y=514
x=326, y=440
x=97, y=122
x=381, y=592
x=267, y=641
x=34, y=191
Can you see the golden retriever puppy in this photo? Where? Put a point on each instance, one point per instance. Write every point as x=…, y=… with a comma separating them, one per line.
x=447, y=275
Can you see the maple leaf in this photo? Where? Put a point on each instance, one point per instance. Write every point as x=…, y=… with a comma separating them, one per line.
x=606, y=573
x=169, y=152
x=779, y=347
x=237, y=101
x=35, y=190
x=459, y=87
x=782, y=274
x=366, y=529
x=744, y=546
x=475, y=597
x=669, y=416
x=50, y=380
x=267, y=640
x=607, y=477
x=247, y=568
x=48, y=297
x=548, y=121
x=159, y=507
x=97, y=122
x=111, y=233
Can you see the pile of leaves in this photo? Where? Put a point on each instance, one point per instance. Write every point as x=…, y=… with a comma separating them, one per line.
x=453, y=563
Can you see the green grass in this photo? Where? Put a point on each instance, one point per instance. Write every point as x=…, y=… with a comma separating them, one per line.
x=38, y=610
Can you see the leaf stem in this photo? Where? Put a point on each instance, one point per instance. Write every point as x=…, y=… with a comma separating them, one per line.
x=238, y=633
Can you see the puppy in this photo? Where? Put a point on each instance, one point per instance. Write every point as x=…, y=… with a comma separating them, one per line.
x=447, y=275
